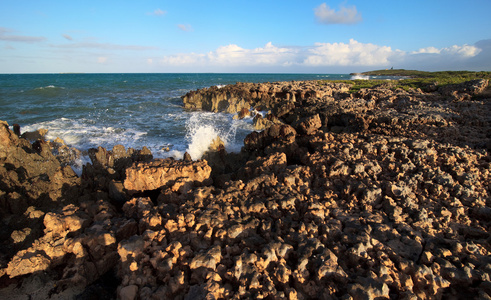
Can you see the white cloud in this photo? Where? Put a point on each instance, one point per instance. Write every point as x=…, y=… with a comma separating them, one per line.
x=102, y=59
x=68, y=37
x=354, y=53
x=235, y=56
x=328, y=57
x=456, y=57
x=267, y=55
x=431, y=50
x=185, y=27
x=158, y=12
x=346, y=15
x=462, y=51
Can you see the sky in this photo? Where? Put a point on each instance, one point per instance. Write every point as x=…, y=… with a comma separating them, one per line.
x=238, y=36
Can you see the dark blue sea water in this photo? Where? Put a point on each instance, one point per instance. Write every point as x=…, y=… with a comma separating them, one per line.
x=135, y=110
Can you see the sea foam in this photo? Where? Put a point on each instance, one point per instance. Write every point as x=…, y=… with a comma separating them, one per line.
x=203, y=128
x=360, y=77
x=84, y=134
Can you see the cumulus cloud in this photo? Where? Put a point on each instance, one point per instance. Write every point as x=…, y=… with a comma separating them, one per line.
x=345, y=15
x=158, y=12
x=456, y=57
x=352, y=54
x=463, y=51
x=267, y=55
x=185, y=27
x=6, y=36
x=325, y=56
x=234, y=58
x=431, y=50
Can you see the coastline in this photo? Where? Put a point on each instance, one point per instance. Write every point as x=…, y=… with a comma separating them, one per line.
x=370, y=192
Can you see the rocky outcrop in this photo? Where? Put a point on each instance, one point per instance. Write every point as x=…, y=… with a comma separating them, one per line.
x=382, y=110
x=229, y=99
x=263, y=96
x=464, y=90
x=30, y=173
x=378, y=194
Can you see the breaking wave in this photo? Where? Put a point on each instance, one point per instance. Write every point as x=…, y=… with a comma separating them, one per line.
x=203, y=128
x=360, y=77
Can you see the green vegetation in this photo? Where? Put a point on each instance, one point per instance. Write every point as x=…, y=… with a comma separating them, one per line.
x=398, y=72
x=411, y=79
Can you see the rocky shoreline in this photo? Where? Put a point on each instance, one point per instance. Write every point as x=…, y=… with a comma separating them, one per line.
x=381, y=193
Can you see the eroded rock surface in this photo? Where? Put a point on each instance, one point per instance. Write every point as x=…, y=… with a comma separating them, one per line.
x=379, y=194
x=145, y=176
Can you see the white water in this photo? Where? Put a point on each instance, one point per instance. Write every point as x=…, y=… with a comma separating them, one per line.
x=199, y=131
x=84, y=134
x=360, y=77
x=203, y=128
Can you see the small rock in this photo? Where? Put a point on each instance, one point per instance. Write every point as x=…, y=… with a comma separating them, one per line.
x=128, y=292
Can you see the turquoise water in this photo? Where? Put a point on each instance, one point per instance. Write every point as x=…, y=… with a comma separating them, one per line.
x=135, y=110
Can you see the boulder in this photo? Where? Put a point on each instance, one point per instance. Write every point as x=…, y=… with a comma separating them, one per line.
x=309, y=125
x=243, y=113
x=145, y=176
x=261, y=123
x=275, y=133
x=32, y=136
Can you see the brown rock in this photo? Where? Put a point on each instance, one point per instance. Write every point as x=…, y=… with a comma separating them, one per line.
x=208, y=260
x=231, y=99
x=369, y=289
x=261, y=123
x=144, y=176
x=7, y=138
x=187, y=157
x=243, y=113
x=16, y=128
x=27, y=262
x=274, y=163
x=217, y=145
x=35, y=135
x=128, y=292
x=70, y=220
x=284, y=134
x=310, y=125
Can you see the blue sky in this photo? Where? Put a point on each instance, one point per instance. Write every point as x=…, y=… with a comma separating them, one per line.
x=243, y=36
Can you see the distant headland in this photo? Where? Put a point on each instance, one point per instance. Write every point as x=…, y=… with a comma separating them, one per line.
x=420, y=74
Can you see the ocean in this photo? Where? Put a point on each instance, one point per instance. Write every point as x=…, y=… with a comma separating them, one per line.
x=134, y=110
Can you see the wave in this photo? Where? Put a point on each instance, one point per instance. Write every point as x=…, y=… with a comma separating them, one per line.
x=49, y=90
x=84, y=133
x=191, y=132
x=360, y=77
x=49, y=87
x=204, y=127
